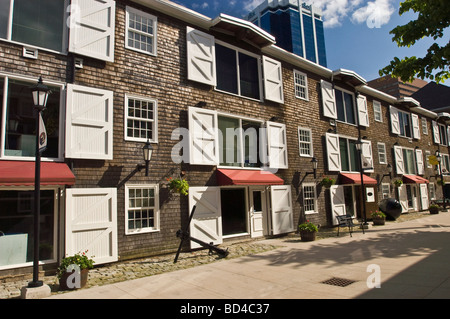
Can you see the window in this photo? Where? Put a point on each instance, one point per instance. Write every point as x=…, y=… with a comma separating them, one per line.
x=445, y=163
x=405, y=124
x=442, y=134
x=20, y=121
x=409, y=161
x=37, y=23
x=432, y=190
x=377, y=111
x=424, y=126
x=16, y=225
x=309, y=198
x=141, y=208
x=140, y=33
x=140, y=119
x=427, y=158
x=305, y=141
x=345, y=106
x=349, y=155
x=301, y=85
x=240, y=142
x=382, y=153
x=237, y=72
x=385, y=190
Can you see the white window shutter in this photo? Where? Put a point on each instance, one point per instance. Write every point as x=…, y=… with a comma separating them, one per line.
x=206, y=224
x=91, y=223
x=403, y=198
x=424, y=202
x=282, y=212
x=277, y=145
x=367, y=156
x=89, y=123
x=363, y=113
x=436, y=136
x=333, y=152
x=328, y=100
x=415, y=126
x=399, y=162
x=419, y=162
x=337, y=202
x=201, y=57
x=395, y=123
x=204, y=137
x=92, y=28
x=273, y=80
x=448, y=135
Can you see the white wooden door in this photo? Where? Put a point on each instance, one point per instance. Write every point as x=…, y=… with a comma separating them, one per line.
x=257, y=211
x=91, y=223
x=403, y=198
x=337, y=202
x=423, y=190
x=206, y=224
x=281, y=201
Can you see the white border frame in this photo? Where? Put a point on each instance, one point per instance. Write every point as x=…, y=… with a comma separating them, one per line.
x=155, y=118
x=129, y=9
x=156, y=210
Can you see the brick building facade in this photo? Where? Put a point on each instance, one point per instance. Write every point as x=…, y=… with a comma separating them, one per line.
x=161, y=73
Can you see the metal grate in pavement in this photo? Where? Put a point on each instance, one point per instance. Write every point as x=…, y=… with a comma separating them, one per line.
x=340, y=282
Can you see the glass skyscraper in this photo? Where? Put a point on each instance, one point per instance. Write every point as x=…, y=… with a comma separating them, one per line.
x=297, y=27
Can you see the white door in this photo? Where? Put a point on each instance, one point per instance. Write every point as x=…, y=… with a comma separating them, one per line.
x=337, y=202
x=258, y=212
x=424, y=196
x=403, y=198
x=282, y=218
x=206, y=224
x=91, y=223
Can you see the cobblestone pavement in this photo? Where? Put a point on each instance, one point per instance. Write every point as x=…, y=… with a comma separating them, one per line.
x=138, y=268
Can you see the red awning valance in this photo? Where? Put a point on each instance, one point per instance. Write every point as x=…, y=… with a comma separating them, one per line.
x=247, y=177
x=18, y=173
x=355, y=178
x=414, y=179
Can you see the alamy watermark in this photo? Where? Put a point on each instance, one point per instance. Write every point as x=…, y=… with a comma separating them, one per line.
x=374, y=279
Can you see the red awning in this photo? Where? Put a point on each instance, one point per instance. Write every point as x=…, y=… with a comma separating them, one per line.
x=247, y=177
x=414, y=179
x=355, y=178
x=18, y=173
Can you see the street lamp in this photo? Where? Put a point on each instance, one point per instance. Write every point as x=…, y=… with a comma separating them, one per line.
x=40, y=94
x=147, y=151
x=314, y=162
x=358, y=145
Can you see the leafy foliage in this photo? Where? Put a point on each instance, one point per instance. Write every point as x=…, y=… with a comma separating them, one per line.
x=433, y=18
x=308, y=226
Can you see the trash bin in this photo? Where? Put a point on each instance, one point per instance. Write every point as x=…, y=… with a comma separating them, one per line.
x=391, y=207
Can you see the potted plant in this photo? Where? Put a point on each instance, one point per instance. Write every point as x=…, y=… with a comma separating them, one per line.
x=71, y=267
x=178, y=185
x=327, y=182
x=434, y=209
x=378, y=217
x=440, y=182
x=397, y=182
x=307, y=231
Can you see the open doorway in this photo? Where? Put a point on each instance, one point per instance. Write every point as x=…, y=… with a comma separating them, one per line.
x=234, y=211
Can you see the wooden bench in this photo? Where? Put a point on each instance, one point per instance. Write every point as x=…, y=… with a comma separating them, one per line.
x=346, y=221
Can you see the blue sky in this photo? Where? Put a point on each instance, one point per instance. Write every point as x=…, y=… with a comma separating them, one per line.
x=356, y=31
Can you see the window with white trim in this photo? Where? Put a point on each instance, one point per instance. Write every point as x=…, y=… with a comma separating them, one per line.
x=377, y=111
x=140, y=119
x=445, y=162
x=424, y=126
x=305, y=144
x=382, y=153
x=237, y=71
x=141, y=209
x=405, y=124
x=309, y=198
x=38, y=23
x=432, y=190
x=409, y=161
x=140, y=32
x=345, y=106
x=385, y=190
x=301, y=85
x=427, y=158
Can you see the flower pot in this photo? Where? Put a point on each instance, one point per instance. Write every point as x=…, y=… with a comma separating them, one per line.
x=307, y=235
x=434, y=210
x=378, y=221
x=68, y=280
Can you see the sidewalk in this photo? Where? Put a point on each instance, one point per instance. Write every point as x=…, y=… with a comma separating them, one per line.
x=412, y=258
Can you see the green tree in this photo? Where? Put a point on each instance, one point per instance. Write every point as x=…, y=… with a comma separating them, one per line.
x=433, y=18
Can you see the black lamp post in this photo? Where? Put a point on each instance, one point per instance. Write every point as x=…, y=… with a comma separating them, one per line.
x=315, y=162
x=147, y=151
x=40, y=94
x=358, y=145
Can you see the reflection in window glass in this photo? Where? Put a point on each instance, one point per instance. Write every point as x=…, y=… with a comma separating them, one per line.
x=4, y=18
x=230, y=150
x=21, y=121
x=17, y=227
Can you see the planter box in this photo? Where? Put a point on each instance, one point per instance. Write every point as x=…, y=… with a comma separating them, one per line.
x=72, y=284
x=378, y=221
x=307, y=235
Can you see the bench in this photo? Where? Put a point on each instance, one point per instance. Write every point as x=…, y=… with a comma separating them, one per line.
x=346, y=221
